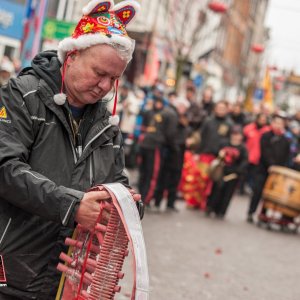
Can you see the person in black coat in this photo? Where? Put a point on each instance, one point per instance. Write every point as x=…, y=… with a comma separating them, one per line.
x=159, y=129
x=215, y=130
x=172, y=162
x=235, y=159
x=275, y=150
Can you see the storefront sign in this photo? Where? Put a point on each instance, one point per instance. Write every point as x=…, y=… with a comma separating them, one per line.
x=57, y=30
x=11, y=19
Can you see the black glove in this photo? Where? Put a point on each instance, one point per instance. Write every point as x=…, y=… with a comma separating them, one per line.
x=140, y=207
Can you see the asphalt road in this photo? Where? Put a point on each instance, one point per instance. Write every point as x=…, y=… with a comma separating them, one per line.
x=195, y=257
x=191, y=256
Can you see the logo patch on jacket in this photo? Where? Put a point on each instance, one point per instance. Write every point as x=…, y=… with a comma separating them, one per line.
x=3, y=114
x=2, y=271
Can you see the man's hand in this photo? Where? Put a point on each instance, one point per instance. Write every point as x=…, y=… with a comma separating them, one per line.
x=89, y=209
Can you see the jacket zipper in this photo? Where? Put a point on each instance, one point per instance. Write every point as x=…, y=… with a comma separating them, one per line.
x=92, y=181
x=73, y=150
x=5, y=230
x=96, y=136
x=77, y=139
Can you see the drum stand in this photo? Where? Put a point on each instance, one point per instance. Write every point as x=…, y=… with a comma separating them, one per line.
x=271, y=214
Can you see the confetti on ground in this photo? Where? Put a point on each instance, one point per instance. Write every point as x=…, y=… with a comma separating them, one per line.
x=207, y=275
x=218, y=251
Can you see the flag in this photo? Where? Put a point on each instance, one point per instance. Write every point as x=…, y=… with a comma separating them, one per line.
x=248, y=103
x=268, y=89
x=32, y=28
x=151, y=69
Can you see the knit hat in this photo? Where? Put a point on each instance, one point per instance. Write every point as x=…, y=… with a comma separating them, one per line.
x=102, y=23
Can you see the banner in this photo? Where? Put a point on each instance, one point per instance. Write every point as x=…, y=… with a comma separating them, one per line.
x=268, y=89
x=57, y=30
x=33, y=22
x=11, y=16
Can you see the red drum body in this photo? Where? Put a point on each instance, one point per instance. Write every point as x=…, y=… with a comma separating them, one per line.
x=93, y=265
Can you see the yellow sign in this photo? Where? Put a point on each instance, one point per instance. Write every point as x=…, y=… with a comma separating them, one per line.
x=3, y=114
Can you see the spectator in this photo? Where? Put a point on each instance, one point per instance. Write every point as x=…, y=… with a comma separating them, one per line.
x=159, y=129
x=234, y=155
x=172, y=162
x=207, y=103
x=252, y=134
x=7, y=70
x=237, y=115
x=274, y=149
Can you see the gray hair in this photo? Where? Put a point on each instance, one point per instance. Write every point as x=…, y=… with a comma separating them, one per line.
x=124, y=52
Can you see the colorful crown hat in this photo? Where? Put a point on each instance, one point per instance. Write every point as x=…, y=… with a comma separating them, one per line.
x=101, y=23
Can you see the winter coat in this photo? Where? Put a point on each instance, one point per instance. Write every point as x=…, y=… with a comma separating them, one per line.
x=252, y=134
x=160, y=129
x=214, y=133
x=43, y=175
x=275, y=150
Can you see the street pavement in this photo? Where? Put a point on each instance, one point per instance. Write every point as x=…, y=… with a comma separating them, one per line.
x=191, y=256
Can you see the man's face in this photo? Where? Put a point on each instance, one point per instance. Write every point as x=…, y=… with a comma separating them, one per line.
x=262, y=120
x=221, y=110
x=207, y=95
x=278, y=124
x=91, y=74
x=236, y=138
x=236, y=110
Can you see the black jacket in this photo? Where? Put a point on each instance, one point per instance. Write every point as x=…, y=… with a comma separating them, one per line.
x=160, y=129
x=214, y=133
x=43, y=177
x=275, y=150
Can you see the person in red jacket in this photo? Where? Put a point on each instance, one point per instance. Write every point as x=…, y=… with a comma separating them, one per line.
x=252, y=133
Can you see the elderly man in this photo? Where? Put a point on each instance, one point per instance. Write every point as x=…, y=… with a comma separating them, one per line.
x=57, y=139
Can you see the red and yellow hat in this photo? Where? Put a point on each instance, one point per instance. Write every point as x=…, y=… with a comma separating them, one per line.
x=101, y=23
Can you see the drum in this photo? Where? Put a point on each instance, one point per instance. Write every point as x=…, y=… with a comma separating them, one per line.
x=282, y=191
x=93, y=266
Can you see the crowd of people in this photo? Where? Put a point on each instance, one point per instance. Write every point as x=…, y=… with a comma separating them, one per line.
x=201, y=150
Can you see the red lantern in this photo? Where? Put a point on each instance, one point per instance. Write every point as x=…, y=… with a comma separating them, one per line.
x=257, y=48
x=273, y=68
x=217, y=6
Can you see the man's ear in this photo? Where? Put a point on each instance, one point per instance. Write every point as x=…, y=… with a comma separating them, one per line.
x=71, y=56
